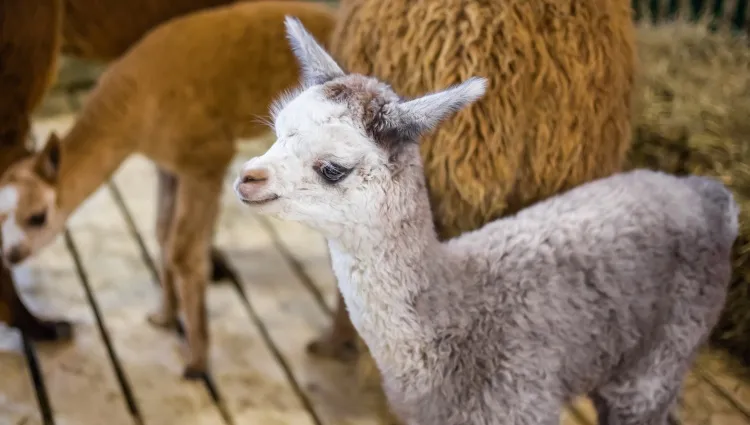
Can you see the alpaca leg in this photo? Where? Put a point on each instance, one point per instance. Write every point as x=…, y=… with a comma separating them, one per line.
x=340, y=340
x=166, y=315
x=603, y=411
x=167, y=186
x=15, y=313
x=645, y=396
x=630, y=409
x=188, y=257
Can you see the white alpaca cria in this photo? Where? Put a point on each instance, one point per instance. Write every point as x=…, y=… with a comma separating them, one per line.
x=606, y=290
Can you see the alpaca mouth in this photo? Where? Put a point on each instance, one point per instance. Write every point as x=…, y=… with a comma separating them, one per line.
x=257, y=202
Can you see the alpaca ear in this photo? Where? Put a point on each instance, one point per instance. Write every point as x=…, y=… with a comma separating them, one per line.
x=317, y=65
x=409, y=120
x=48, y=160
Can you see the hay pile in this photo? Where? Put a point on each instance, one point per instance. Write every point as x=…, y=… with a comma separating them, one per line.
x=692, y=115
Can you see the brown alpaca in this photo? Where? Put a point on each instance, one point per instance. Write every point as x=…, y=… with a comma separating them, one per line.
x=181, y=96
x=31, y=35
x=104, y=29
x=28, y=52
x=556, y=113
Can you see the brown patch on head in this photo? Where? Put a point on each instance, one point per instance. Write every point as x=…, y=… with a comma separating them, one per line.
x=34, y=180
x=366, y=98
x=35, y=193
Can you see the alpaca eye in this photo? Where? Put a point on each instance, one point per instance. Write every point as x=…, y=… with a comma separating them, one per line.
x=331, y=172
x=37, y=220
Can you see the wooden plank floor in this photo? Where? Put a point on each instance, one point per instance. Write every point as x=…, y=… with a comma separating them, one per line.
x=121, y=370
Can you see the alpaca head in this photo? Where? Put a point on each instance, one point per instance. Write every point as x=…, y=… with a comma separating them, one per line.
x=28, y=203
x=345, y=145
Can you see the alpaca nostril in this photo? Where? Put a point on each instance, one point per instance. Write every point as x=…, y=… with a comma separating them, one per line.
x=254, y=176
x=14, y=256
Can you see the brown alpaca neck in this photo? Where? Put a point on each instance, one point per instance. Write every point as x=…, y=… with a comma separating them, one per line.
x=101, y=139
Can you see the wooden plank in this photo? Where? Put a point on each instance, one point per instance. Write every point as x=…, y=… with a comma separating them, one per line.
x=584, y=411
x=730, y=378
x=50, y=283
x=125, y=292
x=290, y=315
x=252, y=384
x=700, y=404
x=18, y=403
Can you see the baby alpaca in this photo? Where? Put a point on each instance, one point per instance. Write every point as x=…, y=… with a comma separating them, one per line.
x=606, y=290
x=181, y=97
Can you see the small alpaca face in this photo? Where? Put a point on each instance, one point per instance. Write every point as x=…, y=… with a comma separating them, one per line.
x=28, y=203
x=340, y=144
x=321, y=170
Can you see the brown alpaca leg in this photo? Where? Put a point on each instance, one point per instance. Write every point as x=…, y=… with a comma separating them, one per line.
x=188, y=259
x=220, y=269
x=340, y=342
x=15, y=313
x=166, y=315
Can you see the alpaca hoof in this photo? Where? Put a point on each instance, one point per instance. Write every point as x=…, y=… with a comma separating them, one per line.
x=194, y=373
x=331, y=348
x=161, y=320
x=50, y=330
x=220, y=268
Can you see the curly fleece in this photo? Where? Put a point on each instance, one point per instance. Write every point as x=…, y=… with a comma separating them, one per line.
x=557, y=111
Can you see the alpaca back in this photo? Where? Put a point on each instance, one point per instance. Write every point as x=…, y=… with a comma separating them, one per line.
x=557, y=110
x=600, y=271
x=214, y=70
x=104, y=29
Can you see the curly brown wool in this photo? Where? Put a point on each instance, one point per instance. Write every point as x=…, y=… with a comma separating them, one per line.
x=556, y=113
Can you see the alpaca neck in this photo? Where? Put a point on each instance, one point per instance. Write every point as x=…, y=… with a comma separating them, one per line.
x=384, y=268
x=100, y=140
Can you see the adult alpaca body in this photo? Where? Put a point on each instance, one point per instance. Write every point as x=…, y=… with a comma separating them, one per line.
x=103, y=30
x=608, y=289
x=181, y=97
x=28, y=53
